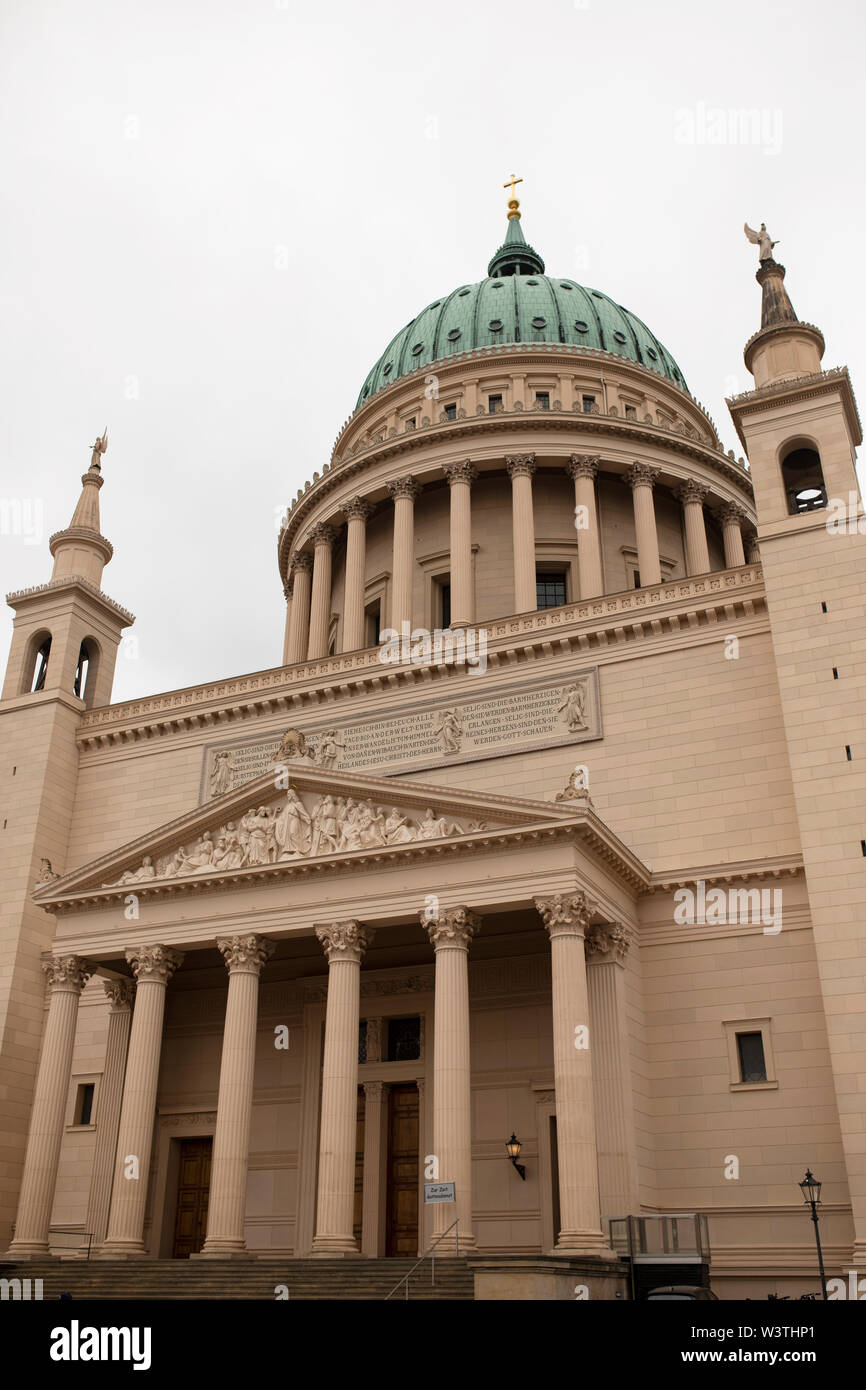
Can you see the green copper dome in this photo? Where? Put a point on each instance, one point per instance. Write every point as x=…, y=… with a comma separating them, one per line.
x=518, y=303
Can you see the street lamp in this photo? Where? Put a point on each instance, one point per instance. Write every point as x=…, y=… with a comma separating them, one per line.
x=512, y=1148
x=811, y=1190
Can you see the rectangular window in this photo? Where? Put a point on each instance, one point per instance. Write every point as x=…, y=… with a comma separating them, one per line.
x=450, y=412
x=637, y=579
x=494, y=404
x=84, y=1103
x=444, y=614
x=750, y=1051
x=588, y=404
x=549, y=590
x=404, y=1039
x=410, y=423
x=542, y=400
x=362, y=1041
x=631, y=412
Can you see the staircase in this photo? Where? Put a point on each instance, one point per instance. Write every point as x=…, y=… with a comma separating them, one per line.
x=328, y=1279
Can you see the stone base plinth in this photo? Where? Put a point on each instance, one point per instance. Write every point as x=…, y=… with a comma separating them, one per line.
x=522, y=1278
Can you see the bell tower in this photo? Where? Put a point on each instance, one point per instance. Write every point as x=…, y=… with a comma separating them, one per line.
x=800, y=428
x=61, y=662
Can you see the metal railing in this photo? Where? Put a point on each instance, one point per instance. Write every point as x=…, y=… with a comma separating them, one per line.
x=431, y=1253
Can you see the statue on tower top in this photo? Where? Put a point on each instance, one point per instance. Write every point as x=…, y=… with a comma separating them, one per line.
x=762, y=239
x=99, y=447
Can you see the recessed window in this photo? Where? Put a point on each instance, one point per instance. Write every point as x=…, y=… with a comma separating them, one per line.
x=619, y=337
x=539, y=322
x=564, y=286
x=631, y=412
x=388, y=368
x=417, y=349
x=461, y=293
x=453, y=335
x=42, y=665
x=549, y=589
x=651, y=352
x=542, y=400
x=494, y=404
x=451, y=412
x=750, y=1053
x=84, y=1103
x=372, y=623
x=581, y=326
x=443, y=603
x=636, y=576
x=495, y=325
x=410, y=424
x=804, y=481
x=362, y=1041
x=588, y=403
x=404, y=1039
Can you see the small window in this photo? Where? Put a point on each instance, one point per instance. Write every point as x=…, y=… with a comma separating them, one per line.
x=404, y=1039
x=588, y=404
x=84, y=1103
x=750, y=1051
x=410, y=423
x=444, y=605
x=631, y=412
x=362, y=1041
x=373, y=623
x=42, y=665
x=542, y=400
x=494, y=404
x=804, y=481
x=550, y=590
x=450, y=412
x=636, y=575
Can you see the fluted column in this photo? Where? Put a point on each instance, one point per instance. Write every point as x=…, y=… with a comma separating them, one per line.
x=450, y=933
x=692, y=495
x=121, y=994
x=583, y=468
x=375, y=1097
x=66, y=977
x=732, y=534
x=403, y=491
x=520, y=470
x=153, y=967
x=642, y=479
x=323, y=538
x=245, y=957
x=356, y=512
x=344, y=943
x=606, y=951
x=460, y=477
x=299, y=618
x=567, y=918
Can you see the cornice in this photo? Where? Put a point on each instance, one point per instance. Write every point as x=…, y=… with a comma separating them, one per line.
x=70, y=581
x=591, y=625
x=801, y=388
x=774, y=866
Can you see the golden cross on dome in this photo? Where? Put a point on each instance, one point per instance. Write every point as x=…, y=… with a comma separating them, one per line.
x=511, y=182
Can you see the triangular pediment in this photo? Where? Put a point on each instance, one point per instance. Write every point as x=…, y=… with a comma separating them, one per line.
x=296, y=815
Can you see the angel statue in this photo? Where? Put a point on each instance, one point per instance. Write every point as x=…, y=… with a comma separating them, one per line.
x=762, y=239
x=100, y=445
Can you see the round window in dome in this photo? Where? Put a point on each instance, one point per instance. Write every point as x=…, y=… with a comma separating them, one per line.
x=495, y=325
x=387, y=369
x=417, y=349
x=651, y=352
x=596, y=294
x=580, y=326
x=461, y=293
x=539, y=323
x=532, y=282
x=436, y=305
x=454, y=335
x=619, y=337
x=564, y=286
x=497, y=285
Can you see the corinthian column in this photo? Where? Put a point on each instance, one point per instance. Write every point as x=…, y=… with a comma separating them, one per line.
x=153, y=967
x=323, y=538
x=450, y=933
x=344, y=943
x=299, y=618
x=606, y=951
x=460, y=477
x=692, y=495
x=66, y=976
x=583, y=468
x=732, y=521
x=121, y=994
x=356, y=512
x=520, y=470
x=404, y=491
x=244, y=957
x=642, y=480
x=567, y=918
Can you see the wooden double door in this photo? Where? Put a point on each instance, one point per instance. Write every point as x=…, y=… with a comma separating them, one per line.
x=401, y=1170
x=193, y=1190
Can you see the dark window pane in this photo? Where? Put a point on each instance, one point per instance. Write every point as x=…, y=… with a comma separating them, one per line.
x=404, y=1039
x=450, y=412
x=445, y=592
x=588, y=403
x=750, y=1047
x=494, y=404
x=362, y=1040
x=85, y=1103
x=550, y=590
x=542, y=400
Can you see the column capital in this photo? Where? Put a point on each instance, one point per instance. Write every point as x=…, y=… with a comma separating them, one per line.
x=454, y=927
x=245, y=955
x=357, y=509
x=323, y=534
x=733, y=514
x=464, y=472
x=344, y=940
x=608, y=942
x=69, y=973
x=121, y=993
x=566, y=914
x=520, y=465
x=692, y=491
x=300, y=560
x=407, y=487
x=375, y=1090
x=641, y=475
x=154, y=963
x=583, y=466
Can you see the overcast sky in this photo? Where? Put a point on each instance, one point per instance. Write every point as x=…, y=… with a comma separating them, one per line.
x=216, y=213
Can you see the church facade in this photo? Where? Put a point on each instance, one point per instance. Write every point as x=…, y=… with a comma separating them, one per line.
x=548, y=830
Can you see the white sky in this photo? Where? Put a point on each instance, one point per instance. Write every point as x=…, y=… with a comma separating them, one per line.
x=157, y=156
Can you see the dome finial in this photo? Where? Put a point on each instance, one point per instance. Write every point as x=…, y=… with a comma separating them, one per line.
x=513, y=203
